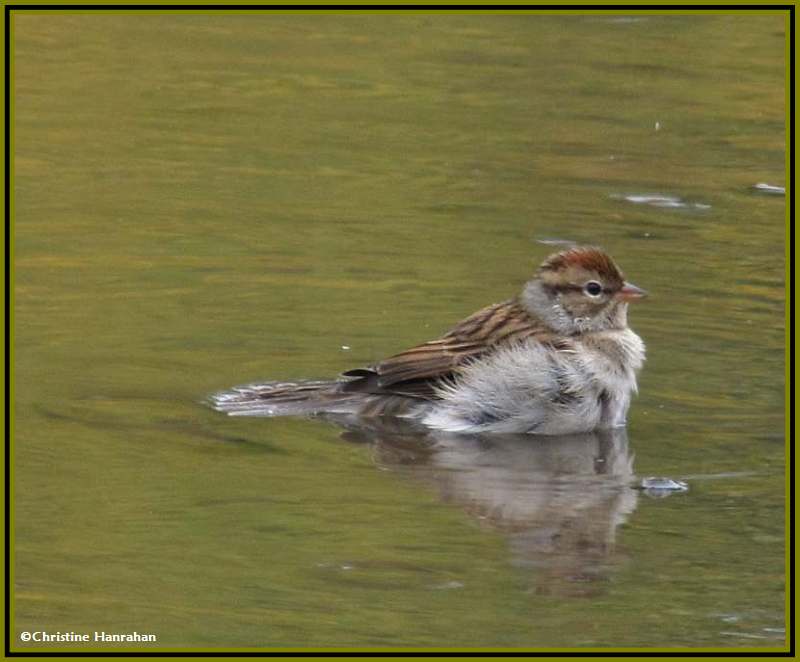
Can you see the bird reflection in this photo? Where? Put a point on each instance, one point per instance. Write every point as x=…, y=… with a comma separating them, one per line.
x=557, y=499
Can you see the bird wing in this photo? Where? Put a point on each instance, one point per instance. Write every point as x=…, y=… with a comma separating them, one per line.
x=417, y=371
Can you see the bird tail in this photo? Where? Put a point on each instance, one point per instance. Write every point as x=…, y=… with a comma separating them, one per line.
x=310, y=398
x=279, y=398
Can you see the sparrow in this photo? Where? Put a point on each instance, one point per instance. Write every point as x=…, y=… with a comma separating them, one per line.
x=559, y=358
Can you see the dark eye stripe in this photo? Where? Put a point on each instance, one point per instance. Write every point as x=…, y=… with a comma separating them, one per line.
x=570, y=287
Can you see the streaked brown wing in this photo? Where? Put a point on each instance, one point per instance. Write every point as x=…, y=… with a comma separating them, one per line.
x=416, y=371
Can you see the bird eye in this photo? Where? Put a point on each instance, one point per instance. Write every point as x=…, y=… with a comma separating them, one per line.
x=593, y=288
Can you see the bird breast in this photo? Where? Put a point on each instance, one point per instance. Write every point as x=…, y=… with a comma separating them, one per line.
x=582, y=385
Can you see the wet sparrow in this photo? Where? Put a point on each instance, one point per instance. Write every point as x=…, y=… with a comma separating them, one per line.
x=557, y=359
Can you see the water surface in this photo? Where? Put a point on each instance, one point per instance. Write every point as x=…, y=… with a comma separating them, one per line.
x=202, y=201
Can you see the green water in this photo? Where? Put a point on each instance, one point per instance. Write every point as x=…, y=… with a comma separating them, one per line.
x=202, y=201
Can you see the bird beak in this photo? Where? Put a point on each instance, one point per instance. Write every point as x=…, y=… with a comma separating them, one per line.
x=630, y=292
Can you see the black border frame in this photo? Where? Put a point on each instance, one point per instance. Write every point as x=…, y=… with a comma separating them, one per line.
x=7, y=9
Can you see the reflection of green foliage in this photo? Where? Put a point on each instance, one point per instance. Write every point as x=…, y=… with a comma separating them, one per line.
x=202, y=201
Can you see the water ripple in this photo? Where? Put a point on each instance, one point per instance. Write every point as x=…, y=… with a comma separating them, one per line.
x=658, y=200
x=769, y=189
